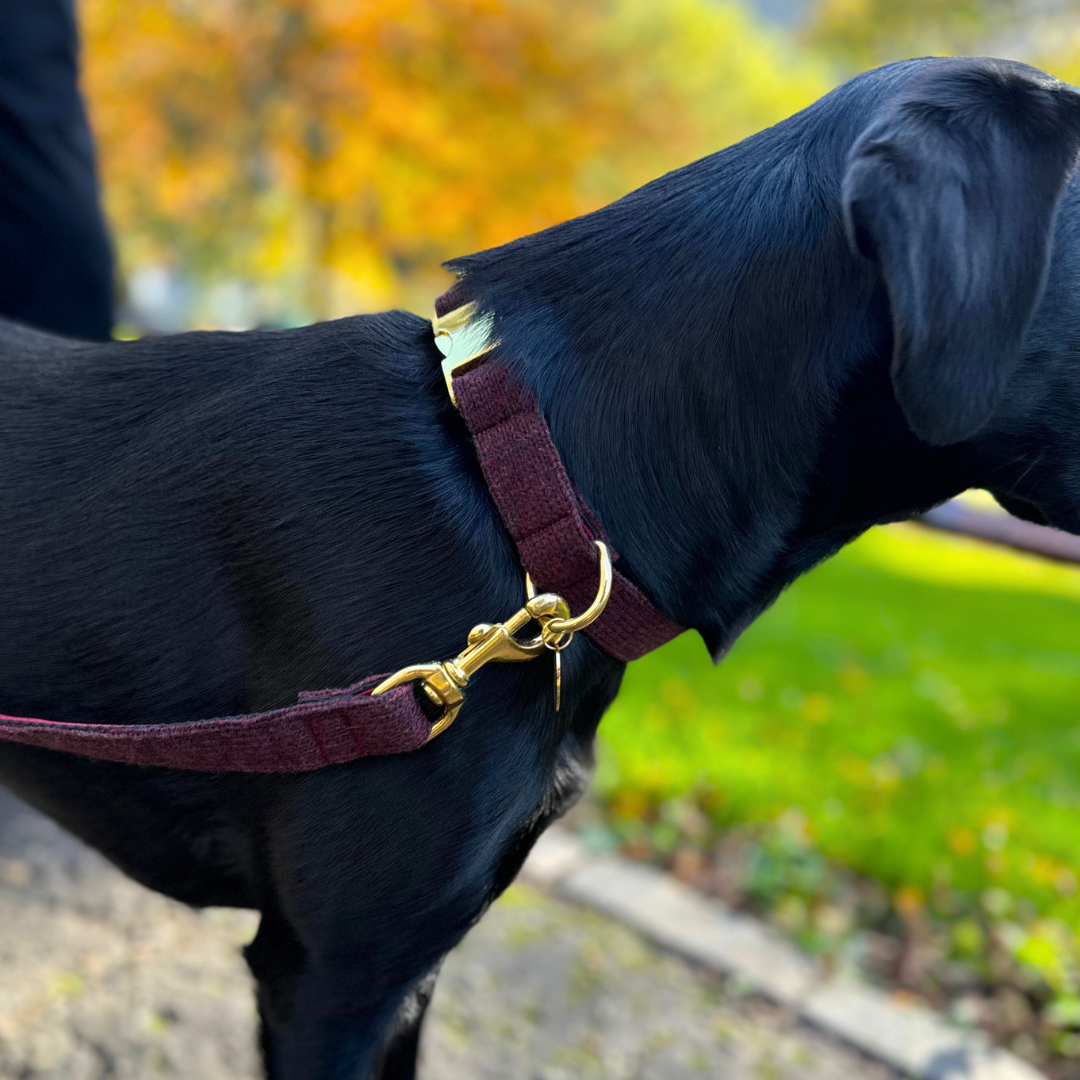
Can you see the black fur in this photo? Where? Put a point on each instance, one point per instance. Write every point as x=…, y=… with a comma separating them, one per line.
x=207, y=524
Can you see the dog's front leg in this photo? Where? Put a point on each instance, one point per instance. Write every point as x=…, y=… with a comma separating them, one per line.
x=397, y=1059
x=368, y=874
x=321, y=1019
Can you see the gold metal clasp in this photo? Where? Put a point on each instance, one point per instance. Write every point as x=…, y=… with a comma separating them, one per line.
x=461, y=338
x=445, y=682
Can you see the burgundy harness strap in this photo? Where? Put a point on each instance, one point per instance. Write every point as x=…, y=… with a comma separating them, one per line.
x=325, y=727
x=545, y=515
x=551, y=527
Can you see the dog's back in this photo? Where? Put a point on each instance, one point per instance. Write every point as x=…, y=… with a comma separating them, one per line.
x=190, y=524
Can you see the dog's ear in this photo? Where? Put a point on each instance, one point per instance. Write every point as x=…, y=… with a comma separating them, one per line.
x=952, y=190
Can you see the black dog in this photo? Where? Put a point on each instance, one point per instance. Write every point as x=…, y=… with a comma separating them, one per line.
x=843, y=320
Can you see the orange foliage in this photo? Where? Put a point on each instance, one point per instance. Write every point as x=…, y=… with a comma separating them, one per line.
x=315, y=141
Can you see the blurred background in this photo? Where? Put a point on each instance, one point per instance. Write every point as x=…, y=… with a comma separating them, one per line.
x=887, y=767
x=278, y=161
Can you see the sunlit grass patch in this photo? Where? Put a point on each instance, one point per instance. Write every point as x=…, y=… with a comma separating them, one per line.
x=907, y=711
x=915, y=698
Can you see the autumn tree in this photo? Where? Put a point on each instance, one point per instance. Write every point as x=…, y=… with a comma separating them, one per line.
x=343, y=148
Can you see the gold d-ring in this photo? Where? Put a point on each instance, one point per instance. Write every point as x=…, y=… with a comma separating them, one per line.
x=594, y=610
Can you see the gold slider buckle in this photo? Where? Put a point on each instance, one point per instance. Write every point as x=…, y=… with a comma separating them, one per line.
x=445, y=682
x=462, y=338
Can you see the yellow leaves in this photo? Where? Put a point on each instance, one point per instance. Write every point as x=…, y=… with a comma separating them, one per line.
x=962, y=840
x=909, y=901
x=1047, y=946
x=352, y=145
x=855, y=770
x=817, y=707
x=1046, y=871
x=241, y=136
x=630, y=804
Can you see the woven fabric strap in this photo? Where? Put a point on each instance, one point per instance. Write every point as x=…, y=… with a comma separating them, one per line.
x=549, y=521
x=326, y=727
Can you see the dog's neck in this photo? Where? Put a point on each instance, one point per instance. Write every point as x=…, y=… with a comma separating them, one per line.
x=698, y=523
x=713, y=363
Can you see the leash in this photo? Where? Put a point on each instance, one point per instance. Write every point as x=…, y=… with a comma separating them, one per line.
x=561, y=547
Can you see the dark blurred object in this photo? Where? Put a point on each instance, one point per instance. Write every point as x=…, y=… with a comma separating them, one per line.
x=56, y=263
x=954, y=516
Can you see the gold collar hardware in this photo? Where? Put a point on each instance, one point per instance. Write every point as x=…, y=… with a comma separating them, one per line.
x=445, y=682
x=462, y=338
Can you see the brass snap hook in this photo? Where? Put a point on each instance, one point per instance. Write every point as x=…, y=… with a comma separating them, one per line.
x=444, y=683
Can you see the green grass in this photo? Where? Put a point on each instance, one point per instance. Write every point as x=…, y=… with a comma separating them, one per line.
x=916, y=698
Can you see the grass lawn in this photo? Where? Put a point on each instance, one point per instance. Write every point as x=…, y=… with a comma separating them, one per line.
x=915, y=702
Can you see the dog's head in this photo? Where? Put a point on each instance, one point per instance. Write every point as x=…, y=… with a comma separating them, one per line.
x=843, y=320
x=953, y=191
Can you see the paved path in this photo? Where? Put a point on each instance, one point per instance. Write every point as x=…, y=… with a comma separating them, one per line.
x=101, y=979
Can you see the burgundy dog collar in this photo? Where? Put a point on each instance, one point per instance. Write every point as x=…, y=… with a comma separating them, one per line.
x=555, y=534
x=554, y=530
